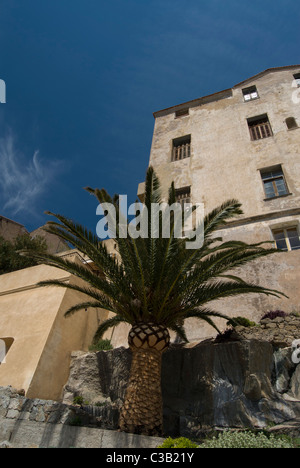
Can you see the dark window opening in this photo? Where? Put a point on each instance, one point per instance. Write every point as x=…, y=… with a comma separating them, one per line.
x=5, y=345
x=291, y=123
x=260, y=127
x=181, y=113
x=297, y=78
x=181, y=148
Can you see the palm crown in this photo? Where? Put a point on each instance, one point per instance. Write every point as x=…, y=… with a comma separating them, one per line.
x=156, y=280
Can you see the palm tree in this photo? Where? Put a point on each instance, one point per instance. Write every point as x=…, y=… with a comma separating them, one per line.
x=155, y=286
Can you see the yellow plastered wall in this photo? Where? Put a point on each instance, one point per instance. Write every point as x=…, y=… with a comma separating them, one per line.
x=39, y=358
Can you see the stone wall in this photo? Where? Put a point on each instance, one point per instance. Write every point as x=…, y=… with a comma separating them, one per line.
x=26, y=423
x=280, y=331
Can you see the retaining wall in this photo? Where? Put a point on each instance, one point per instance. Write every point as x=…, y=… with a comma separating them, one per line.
x=26, y=423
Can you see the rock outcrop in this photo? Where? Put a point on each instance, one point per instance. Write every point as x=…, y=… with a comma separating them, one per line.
x=242, y=383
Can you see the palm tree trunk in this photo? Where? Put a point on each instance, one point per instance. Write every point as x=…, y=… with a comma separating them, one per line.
x=142, y=411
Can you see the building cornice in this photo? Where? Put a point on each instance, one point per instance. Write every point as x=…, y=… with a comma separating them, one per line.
x=262, y=217
x=28, y=287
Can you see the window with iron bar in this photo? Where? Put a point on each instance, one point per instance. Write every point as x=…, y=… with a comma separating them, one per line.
x=260, y=127
x=183, y=195
x=181, y=148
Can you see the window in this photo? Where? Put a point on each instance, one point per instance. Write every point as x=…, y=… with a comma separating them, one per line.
x=250, y=93
x=181, y=113
x=181, y=148
x=274, y=182
x=183, y=195
x=287, y=238
x=297, y=78
x=259, y=127
x=291, y=123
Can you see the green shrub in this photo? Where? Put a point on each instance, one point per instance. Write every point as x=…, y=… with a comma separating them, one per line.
x=247, y=440
x=79, y=400
x=181, y=442
x=241, y=321
x=101, y=345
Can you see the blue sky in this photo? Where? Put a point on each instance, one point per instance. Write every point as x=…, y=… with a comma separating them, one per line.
x=83, y=79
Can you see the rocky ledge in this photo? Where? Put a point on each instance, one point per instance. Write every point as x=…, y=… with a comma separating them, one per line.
x=280, y=331
x=242, y=383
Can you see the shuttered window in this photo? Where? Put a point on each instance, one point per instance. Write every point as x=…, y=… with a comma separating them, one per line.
x=260, y=128
x=274, y=182
x=250, y=93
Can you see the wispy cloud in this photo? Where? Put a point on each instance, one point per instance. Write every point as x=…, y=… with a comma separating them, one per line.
x=23, y=179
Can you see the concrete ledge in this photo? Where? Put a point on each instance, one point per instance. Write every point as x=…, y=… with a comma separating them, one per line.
x=32, y=434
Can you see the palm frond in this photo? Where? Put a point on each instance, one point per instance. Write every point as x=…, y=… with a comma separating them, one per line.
x=107, y=324
x=157, y=278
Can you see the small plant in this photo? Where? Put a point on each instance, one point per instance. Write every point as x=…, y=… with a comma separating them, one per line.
x=247, y=440
x=242, y=322
x=181, y=442
x=273, y=314
x=101, y=345
x=100, y=403
x=79, y=400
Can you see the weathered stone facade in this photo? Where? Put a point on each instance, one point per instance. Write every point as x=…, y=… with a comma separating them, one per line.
x=10, y=229
x=226, y=160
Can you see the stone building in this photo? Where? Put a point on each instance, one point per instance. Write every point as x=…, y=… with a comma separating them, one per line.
x=241, y=143
x=10, y=229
